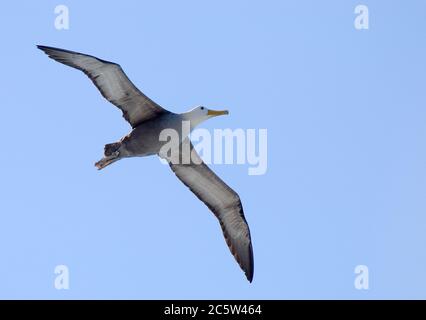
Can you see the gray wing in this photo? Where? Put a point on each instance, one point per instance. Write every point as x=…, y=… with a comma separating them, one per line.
x=223, y=202
x=112, y=82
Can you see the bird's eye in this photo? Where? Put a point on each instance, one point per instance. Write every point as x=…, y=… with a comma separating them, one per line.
x=202, y=108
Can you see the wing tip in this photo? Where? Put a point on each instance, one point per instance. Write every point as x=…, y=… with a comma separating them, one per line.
x=43, y=48
x=245, y=258
x=250, y=270
x=48, y=50
x=249, y=277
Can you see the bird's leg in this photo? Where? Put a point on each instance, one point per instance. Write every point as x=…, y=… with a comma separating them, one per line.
x=105, y=161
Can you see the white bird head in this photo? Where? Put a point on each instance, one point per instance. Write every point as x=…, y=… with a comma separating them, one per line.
x=200, y=114
x=203, y=112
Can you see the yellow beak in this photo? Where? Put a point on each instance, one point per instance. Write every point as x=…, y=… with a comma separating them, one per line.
x=217, y=113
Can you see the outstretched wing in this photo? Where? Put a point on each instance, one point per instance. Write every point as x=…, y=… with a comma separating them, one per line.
x=222, y=201
x=112, y=82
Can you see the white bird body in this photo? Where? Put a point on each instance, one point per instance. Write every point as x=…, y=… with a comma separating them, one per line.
x=145, y=139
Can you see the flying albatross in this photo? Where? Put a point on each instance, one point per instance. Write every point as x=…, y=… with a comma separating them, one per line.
x=148, y=120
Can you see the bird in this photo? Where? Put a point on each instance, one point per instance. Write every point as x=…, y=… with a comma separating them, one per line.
x=147, y=120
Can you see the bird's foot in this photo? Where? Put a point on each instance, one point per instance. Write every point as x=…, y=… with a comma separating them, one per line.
x=107, y=160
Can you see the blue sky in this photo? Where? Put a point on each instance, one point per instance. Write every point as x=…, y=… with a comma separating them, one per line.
x=346, y=180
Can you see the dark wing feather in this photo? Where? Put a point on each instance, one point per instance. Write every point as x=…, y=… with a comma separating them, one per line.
x=112, y=82
x=223, y=202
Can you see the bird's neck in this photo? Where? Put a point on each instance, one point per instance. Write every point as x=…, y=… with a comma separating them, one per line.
x=193, y=119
